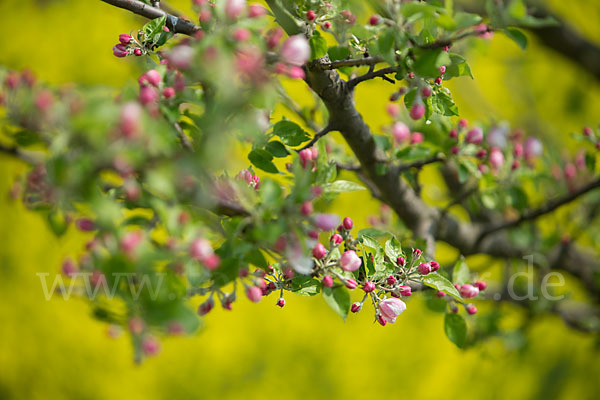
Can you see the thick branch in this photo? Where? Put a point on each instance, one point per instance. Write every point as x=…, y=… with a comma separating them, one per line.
x=175, y=24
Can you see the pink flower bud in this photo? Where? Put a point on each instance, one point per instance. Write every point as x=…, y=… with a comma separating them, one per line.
x=480, y=285
x=327, y=222
x=125, y=39
x=273, y=37
x=426, y=91
x=168, y=92
x=313, y=234
x=443, y=69
x=518, y=150
x=481, y=153
x=587, y=131
x=401, y=132
x=212, y=262
x=474, y=136
x=350, y=261
x=368, y=287
x=85, y=225
x=462, y=123
x=69, y=267
x=453, y=134
x=390, y=280
x=130, y=116
x=347, y=223
x=355, y=307
x=327, y=281
x=515, y=164
x=233, y=8
x=130, y=241
x=417, y=252
x=306, y=208
x=295, y=72
x=351, y=284
x=150, y=346
x=533, y=148
x=417, y=111
x=295, y=50
x=393, y=109
x=405, y=290
x=401, y=261
x=120, y=50
x=310, y=15
x=438, y=81
x=281, y=302
x=416, y=138
x=319, y=251
x=136, y=325
x=241, y=34
x=148, y=95
x=454, y=309
x=254, y=294
x=256, y=11
x=496, y=158
x=440, y=293
x=570, y=171
x=137, y=51
x=381, y=320
x=391, y=308
x=200, y=249
x=424, y=268
x=327, y=25
x=336, y=239
x=153, y=77
x=471, y=309
x=181, y=56
x=468, y=291
x=205, y=307
x=434, y=266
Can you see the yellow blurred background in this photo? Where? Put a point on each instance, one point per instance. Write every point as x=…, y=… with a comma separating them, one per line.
x=56, y=350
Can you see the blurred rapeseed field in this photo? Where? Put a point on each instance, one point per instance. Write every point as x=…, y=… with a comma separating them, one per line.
x=56, y=350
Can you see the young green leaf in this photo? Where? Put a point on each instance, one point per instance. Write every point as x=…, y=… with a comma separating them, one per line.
x=338, y=299
x=438, y=282
x=456, y=329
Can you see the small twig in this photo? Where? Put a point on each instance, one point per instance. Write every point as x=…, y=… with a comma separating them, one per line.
x=538, y=212
x=438, y=44
x=355, y=62
x=185, y=141
x=317, y=136
x=346, y=167
x=381, y=73
x=421, y=163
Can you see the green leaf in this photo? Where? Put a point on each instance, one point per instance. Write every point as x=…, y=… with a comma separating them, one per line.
x=438, y=282
x=372, y=232
x=284, y=16
x=458, y=67
x=518, y=198
x=393, y=249
x=433, y=302
x=428, y=63
x=517, y=36
x=369, y=241
x=386, y=44
x=342, y=187
x=262, y=159
x=318, y=45
x=153, y=29
x=57, y=222
x=290, y=133
x=277, y=149
x=444, y=104
x=464, y=20
x=456, y=329
x=461, y=273
x=305, y=285
x=338, y=299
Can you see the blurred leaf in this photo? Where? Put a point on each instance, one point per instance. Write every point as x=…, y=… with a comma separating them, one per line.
x=338, y=299
x=290, y=133
x=342, y=187
x=517, y=36
x=277, y=149
x=461, y=273
x=428, y=63
x=456, y=329
x=262, y=159
x=318, y=45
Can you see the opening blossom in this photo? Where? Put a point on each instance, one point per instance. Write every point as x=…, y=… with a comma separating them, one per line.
x=391, y=308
